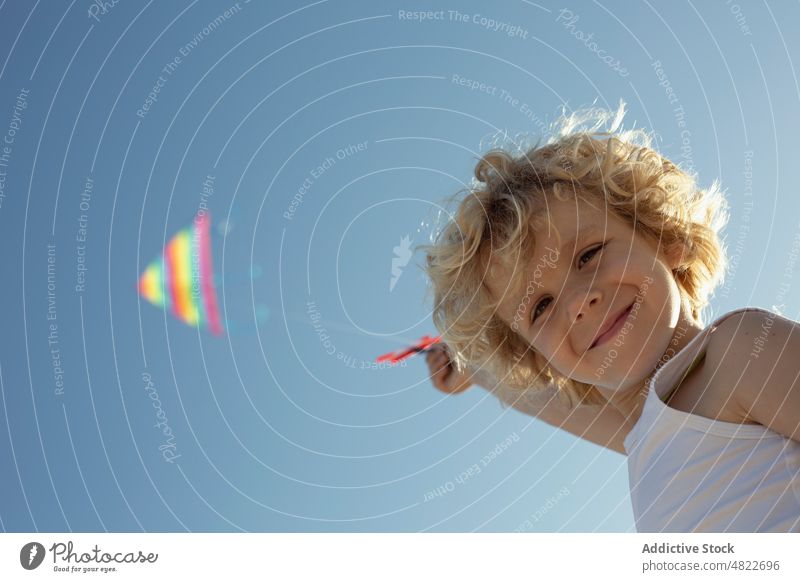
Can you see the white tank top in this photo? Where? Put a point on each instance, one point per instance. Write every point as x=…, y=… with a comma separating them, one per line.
x=689, y=473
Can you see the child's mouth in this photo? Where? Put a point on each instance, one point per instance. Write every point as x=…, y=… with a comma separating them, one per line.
x=615, y=327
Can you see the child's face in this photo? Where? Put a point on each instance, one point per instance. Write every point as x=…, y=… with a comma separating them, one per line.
x=571, y=293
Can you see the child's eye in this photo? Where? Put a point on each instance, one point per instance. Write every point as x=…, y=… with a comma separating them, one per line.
x=590, y=253
x=536, y=311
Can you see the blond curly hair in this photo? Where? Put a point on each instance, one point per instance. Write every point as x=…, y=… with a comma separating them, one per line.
x=502, y=210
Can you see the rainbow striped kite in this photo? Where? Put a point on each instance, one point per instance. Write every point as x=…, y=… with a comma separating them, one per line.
x=182, y=279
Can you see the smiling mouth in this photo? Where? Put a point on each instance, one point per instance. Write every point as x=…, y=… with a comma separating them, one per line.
x=611, y=331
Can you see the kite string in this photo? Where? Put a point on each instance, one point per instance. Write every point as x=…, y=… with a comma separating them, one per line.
x=399, y=340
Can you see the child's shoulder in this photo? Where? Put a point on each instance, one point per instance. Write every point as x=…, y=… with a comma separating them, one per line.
x=707, y=387
x=752, y=357
x=745, y=338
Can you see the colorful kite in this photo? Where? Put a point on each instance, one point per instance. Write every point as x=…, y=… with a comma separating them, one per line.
x=182, y=280
x=423, y=345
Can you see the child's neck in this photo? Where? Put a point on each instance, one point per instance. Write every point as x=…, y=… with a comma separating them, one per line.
x=631, y=400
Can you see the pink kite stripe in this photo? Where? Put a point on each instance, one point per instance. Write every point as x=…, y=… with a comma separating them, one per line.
x=209, y=294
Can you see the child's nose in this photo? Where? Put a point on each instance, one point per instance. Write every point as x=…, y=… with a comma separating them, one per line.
x=580, y=303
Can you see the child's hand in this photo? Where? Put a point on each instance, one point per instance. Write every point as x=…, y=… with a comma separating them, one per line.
x=443, y=373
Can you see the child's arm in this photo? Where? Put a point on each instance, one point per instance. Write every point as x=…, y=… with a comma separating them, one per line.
x=756, y=359
x=602, y=425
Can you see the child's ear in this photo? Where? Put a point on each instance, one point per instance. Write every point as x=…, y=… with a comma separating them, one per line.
x=676, y=256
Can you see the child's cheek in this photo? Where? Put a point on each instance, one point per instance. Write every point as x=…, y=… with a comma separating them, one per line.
x=559, y=361
x=618, y=266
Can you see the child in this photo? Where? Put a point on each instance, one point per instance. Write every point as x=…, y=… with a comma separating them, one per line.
x=582, y=267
